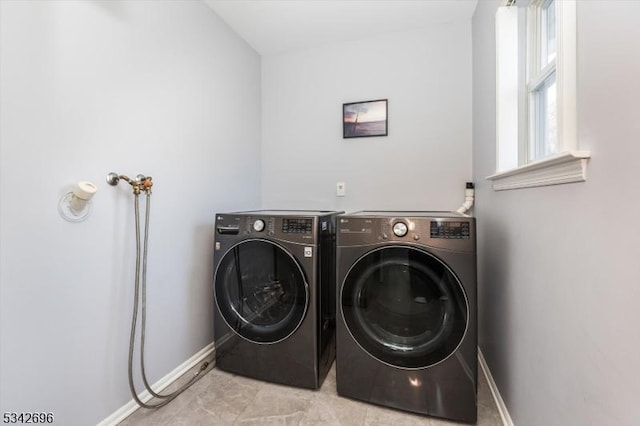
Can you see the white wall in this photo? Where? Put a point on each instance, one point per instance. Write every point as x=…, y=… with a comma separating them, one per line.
x=422, y=164
x=163, y=88
x=559, y=266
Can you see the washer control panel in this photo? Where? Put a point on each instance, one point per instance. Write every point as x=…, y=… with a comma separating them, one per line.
x=297, y=229
x=297, y=226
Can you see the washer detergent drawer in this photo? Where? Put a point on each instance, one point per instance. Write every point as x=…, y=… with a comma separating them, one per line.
x=228, y=230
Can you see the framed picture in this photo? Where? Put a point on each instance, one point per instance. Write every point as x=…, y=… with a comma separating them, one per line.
x=364, y=119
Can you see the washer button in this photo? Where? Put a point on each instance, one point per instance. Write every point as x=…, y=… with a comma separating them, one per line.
x=258, y=225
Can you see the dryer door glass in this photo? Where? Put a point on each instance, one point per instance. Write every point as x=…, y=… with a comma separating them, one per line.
x=261, y=291
x=404, y=307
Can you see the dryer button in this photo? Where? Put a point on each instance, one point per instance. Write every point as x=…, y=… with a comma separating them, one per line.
x=400, y=229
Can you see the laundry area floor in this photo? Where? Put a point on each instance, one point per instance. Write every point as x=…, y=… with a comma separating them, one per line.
x=220, y=398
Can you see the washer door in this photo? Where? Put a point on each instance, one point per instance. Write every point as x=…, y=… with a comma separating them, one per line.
x=404, y=307
x=261, y=291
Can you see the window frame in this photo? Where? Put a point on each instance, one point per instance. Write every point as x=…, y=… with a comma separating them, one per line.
x=568, y=164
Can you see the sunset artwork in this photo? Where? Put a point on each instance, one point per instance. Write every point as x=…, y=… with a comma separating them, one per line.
x=362, y=119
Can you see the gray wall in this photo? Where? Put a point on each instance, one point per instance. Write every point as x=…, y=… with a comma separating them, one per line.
x=163, y=88
x=559, y=266
x=422, y=164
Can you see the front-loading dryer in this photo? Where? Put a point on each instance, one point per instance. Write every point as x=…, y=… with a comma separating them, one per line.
x=274, y=291
x=406, y=323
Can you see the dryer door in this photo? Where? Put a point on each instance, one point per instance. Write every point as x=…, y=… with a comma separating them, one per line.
x=404, y=307
x=261, y=291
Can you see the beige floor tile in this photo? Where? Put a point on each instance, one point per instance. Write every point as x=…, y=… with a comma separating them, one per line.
x=220, y=398
x=159, y=416
x=380, y=416
x=331, y=410
x=276, y=405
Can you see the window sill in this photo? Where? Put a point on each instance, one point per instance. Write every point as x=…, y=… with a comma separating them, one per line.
x=565, y=167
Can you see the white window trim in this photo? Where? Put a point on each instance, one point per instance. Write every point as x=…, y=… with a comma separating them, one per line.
x=566, y=75
x=569, y=165
x=564, y=167
x=507, y=88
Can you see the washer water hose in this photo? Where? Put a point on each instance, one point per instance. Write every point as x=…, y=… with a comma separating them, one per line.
x=143, y=184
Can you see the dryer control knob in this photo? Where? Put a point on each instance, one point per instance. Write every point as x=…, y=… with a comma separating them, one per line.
x=400, y=229
x=258, y=225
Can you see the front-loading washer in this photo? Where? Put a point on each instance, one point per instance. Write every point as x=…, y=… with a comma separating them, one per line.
x=274, y=291
x=406, y=323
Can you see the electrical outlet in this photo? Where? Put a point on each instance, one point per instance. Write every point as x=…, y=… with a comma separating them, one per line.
x=340, y=189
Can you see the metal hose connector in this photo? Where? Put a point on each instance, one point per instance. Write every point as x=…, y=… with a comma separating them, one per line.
x=140, y=184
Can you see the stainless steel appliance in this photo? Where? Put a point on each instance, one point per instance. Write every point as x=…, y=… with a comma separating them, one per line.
x=274, y=290
x=406, y=323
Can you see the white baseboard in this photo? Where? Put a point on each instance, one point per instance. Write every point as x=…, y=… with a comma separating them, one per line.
x=502, y=408
x=131, y=406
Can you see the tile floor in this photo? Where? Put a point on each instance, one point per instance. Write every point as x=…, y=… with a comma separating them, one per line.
x=221, y=398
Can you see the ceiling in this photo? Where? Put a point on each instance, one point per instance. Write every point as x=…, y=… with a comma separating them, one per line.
x=276, y=26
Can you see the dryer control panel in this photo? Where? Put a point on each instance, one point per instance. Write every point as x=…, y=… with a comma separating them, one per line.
x=450, y=230
x=453, y=233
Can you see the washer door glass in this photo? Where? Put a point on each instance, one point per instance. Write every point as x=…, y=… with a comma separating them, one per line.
x=261, y=291
x=404, y=307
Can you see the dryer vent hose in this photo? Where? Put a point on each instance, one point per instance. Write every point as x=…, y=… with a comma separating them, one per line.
x=469, y=194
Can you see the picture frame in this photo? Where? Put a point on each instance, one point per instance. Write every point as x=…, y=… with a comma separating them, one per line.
x=365, y=119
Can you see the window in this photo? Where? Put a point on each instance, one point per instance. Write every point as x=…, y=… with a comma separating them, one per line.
x=541, y=81
x=536, y=96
